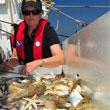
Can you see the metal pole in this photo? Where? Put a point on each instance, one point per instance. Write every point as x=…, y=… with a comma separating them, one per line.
x=82, y=6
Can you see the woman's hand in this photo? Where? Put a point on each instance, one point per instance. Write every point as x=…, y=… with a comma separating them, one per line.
x=29, y=67
x=10, y=64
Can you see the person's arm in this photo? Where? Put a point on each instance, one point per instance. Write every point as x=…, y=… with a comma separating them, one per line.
x=14, y=54
x=54, y=61
x=71, y=53
x=57, y=57
x=13, y=60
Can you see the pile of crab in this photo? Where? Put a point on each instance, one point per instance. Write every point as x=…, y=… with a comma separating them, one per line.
x=47, y=93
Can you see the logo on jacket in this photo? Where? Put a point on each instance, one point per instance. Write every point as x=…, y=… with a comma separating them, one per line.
x=19, y=43
x=37, y=43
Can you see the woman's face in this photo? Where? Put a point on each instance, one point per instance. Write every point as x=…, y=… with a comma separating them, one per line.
x=32, y=20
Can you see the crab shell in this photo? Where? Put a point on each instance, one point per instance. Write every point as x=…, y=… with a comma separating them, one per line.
x=62, y=87
x=61, y=93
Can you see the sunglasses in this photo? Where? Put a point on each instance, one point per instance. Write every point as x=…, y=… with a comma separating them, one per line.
x=33, y=12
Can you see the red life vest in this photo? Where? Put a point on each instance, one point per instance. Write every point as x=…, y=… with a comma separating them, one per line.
x=37, y=45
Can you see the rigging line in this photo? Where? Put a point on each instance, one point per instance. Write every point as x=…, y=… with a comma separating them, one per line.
x=70, y=17
x=57, y=26
x=12, y=34
x=6, y=31
x=6, y=22
x=63, y=35
x=82, y=6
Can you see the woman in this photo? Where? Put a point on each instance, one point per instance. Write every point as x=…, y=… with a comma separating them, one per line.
x=36, y=43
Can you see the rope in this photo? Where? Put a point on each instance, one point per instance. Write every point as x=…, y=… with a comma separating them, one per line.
x=82, y=6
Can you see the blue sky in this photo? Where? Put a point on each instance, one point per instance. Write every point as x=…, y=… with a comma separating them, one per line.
x=67, y=26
